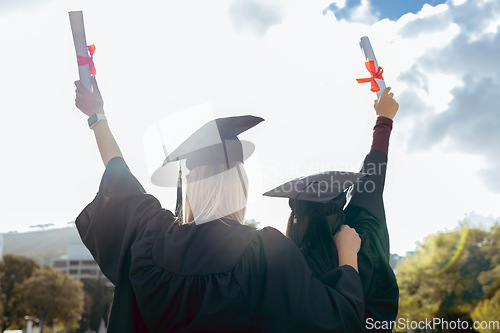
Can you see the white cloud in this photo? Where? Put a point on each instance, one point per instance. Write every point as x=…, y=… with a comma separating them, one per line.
x=467, y=111
x=254, y=15
x=364, y=13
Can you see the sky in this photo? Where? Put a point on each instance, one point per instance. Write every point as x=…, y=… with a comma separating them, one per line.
x=292, y=62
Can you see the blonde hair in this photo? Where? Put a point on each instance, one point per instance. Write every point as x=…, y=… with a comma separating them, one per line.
x=212, y=193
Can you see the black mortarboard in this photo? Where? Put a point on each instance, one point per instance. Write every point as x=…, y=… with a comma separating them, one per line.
x=321, y=187
x=317, y=193
x=215, y=143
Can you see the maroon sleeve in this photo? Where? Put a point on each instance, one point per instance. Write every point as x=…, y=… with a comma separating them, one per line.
x=381, y=134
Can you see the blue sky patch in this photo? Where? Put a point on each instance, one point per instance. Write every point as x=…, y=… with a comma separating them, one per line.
x=383, y=9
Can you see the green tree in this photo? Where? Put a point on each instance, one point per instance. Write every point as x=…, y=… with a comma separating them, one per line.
x=51, y=296
x=13, y=271
x=440, y=280
x=488, y=308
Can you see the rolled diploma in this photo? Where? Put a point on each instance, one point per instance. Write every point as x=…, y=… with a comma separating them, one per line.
x=367, y=49
x=78, y=30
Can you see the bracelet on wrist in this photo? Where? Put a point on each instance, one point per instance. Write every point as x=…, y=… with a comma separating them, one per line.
x=95, y=119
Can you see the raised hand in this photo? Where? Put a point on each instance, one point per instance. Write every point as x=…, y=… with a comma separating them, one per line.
x=386, y=106
x=89, y=102
x=348, y=244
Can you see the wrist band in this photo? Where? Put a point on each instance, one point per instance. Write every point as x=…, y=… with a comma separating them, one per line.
x=95, y=118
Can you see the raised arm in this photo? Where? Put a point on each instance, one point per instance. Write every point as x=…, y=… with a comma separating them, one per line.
x=375, y=163
x=91, y=103
x=365, y=211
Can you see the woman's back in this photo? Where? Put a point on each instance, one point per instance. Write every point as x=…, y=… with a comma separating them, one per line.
x=224, y=276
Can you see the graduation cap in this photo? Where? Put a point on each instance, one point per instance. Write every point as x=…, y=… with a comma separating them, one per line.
x=215, y=143
x=317, y=194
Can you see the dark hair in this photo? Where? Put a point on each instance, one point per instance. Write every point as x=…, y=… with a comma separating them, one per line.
x=313, y=234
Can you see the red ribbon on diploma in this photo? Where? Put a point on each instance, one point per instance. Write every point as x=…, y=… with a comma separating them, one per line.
x=88, y=61
x=370, y=66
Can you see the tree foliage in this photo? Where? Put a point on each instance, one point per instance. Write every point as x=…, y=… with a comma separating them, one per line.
x=452, y=275
x=51, y=296
x=13, y=271
x=488, y=310
x=98, y=297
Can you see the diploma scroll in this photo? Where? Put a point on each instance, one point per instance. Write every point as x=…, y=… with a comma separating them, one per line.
x=78, y=30
x=367, y=49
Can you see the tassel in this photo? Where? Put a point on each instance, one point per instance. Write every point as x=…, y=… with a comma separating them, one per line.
x=294, y=211
x=178, y=205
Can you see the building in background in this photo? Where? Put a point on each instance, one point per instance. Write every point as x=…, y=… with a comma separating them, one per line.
x=79, y=263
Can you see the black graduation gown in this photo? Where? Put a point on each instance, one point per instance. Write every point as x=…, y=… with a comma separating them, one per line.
x=210, y=277
x=366, y=214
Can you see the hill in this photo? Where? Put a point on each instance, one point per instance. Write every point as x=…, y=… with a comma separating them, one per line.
x=40, y=246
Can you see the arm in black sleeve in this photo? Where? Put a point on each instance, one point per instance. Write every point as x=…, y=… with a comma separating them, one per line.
x=112, y=221
x=365, y=211
x=283, y=292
